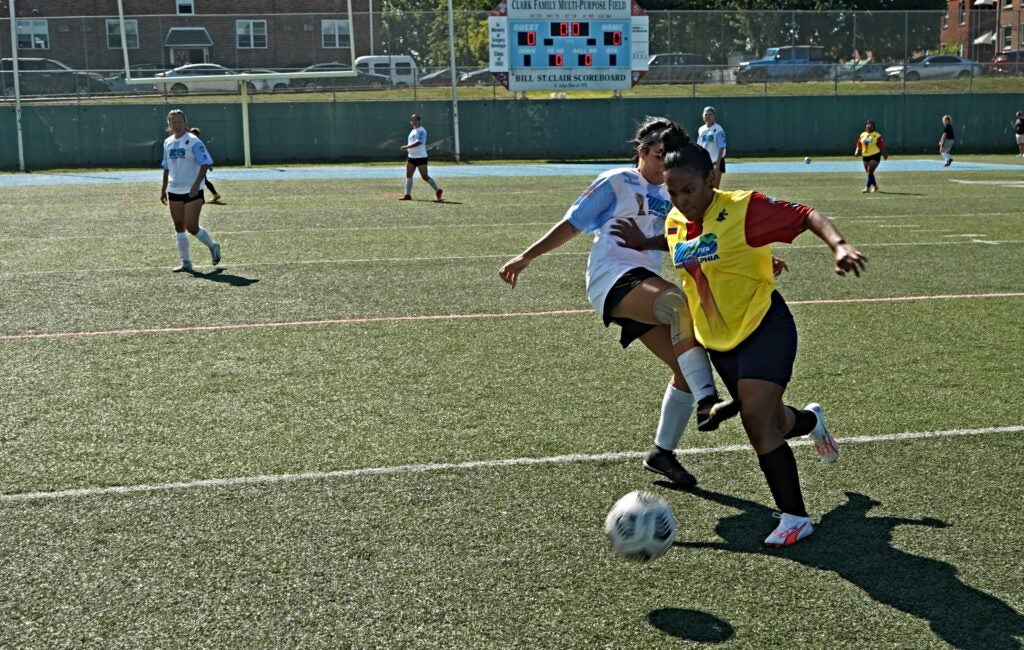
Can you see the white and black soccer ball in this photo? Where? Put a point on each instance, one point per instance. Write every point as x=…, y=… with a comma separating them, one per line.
x=807, y=160
x=641, y=526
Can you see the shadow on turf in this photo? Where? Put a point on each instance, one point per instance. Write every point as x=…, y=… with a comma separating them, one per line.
x=218, y=275
x=691, y=625
x=859, y=548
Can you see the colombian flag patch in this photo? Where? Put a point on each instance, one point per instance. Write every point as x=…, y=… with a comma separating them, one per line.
x=673, y=231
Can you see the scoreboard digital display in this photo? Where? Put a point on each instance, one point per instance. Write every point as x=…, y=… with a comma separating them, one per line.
x=575, y=43
x=569, y=44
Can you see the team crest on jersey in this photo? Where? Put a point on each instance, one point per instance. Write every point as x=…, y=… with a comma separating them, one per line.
x=700, y=250
x=639, y=204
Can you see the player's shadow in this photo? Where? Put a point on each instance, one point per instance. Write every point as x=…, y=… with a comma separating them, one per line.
x=900, y=193
x=691, y=625
x=859, y=548
x=218, y=275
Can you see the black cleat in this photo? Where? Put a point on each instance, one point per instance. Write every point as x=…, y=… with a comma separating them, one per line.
x=665, y=463
x=709, y=419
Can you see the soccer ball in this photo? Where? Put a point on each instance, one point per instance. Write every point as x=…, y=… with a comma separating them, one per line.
x=807, y=160
x=641, y=526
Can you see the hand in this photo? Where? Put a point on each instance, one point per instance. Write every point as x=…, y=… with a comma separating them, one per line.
x=778, y=266
x=629, y=233
x=193, y=191
x=510, y=271
x=163, y=197
x=848, y=258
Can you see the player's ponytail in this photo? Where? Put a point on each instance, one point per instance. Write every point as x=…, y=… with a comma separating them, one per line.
x=654, y=130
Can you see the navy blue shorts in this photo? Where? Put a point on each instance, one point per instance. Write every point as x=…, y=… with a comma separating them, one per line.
x=185, y=198
x=631, y=329
x=768, y=353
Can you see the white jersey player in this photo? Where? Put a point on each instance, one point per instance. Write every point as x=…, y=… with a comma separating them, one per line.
x=625, y=288
x=185, y=162
x=416, y=148
x=711, y=136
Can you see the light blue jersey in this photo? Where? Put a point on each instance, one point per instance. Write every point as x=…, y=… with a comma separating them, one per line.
x=182, y=159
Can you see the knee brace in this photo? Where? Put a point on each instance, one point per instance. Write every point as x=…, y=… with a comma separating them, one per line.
x=670, y=308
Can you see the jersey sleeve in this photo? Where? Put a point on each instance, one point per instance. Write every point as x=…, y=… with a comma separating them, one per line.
x=594, y=207
x=163, y=157
x=721, y=139
x=201, y=154
x=772, y=220
x=880, y=142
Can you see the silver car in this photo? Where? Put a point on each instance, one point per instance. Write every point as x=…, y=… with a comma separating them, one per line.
x=935, y=66
x=184, y=84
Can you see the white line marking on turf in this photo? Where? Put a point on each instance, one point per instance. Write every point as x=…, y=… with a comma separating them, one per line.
x=438, y=467
x=437, y=317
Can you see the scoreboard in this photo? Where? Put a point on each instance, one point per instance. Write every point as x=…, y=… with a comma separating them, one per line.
x=568, y=44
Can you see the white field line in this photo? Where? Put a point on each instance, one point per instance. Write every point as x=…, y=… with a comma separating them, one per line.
x=442, y=317
x=266, y=479
x=456, y=258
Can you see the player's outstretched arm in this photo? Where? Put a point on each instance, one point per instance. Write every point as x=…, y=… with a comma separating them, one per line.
x=559, y=234
x=847, y=257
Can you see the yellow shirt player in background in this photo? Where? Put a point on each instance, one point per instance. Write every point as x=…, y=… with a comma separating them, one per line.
x=871, y=149
x=720, y=245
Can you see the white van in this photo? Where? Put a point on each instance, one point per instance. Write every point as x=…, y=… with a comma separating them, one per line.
x=401, y=68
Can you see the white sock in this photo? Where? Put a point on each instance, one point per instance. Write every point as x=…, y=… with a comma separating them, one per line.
x=945, y=155
x=182, y=238
x=204, y=236
x=408, y=187
x=432, y=183
x=697, y=372
x=676, y=409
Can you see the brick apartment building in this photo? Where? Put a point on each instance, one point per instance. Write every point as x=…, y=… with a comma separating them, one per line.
x=279, y=34
x=984, y=28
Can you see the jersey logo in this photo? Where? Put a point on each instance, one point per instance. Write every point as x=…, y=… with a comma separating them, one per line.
x=639, y=204
x=721, y=216
x=658, y=206
x=175, y=153
x=696, y=251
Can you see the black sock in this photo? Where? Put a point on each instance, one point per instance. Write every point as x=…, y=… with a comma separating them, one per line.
x=779, y=468
x=804, y=424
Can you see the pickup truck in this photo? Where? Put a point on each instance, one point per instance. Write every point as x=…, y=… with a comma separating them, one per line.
x=786, y=63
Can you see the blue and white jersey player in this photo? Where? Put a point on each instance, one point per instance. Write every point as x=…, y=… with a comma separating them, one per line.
x=625, y=287
x=185, y=162
x=711, y=137
x=416, y=148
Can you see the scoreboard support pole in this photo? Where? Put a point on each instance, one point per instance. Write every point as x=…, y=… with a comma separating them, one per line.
x=455, y=79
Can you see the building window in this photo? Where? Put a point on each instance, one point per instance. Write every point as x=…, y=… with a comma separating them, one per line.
x=962, y=14
x=334, y=33
x=1008, y=37
x=945, y=19
x=185, y=7
x=1020, y=30
x=1007, y=4
x=251, y=34
x=33, y=34
x=131, y=34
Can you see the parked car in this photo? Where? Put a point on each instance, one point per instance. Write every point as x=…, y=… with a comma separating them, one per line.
x=787, y=63
x=481, y=77
x=361, y=80
x=271, y=83
x=1006, y=63
x=442, y=77
x=399, y=68
x=183, y=84
x=117, y=83
x=935, y=66
x=861, y=71
x=49, y=77
x=675, y=68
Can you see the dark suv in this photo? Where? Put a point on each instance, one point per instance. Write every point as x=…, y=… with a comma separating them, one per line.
x=676, y=68
x=49, y=77
x=1006, y=63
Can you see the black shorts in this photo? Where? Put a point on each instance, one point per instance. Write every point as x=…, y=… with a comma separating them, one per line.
x=877, y=157
x=768, y=353
x=418, y=162
x=185, y=198
x=631, y=329
x=723, y=165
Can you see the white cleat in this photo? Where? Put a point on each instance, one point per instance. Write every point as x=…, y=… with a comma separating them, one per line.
x=791, y=529
x=824, y=443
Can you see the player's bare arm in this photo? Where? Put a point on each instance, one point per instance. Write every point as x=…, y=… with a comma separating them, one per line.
x=559, y=234
x=847, y=257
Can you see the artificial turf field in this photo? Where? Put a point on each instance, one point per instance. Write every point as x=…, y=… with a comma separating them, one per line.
x=355, y=435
